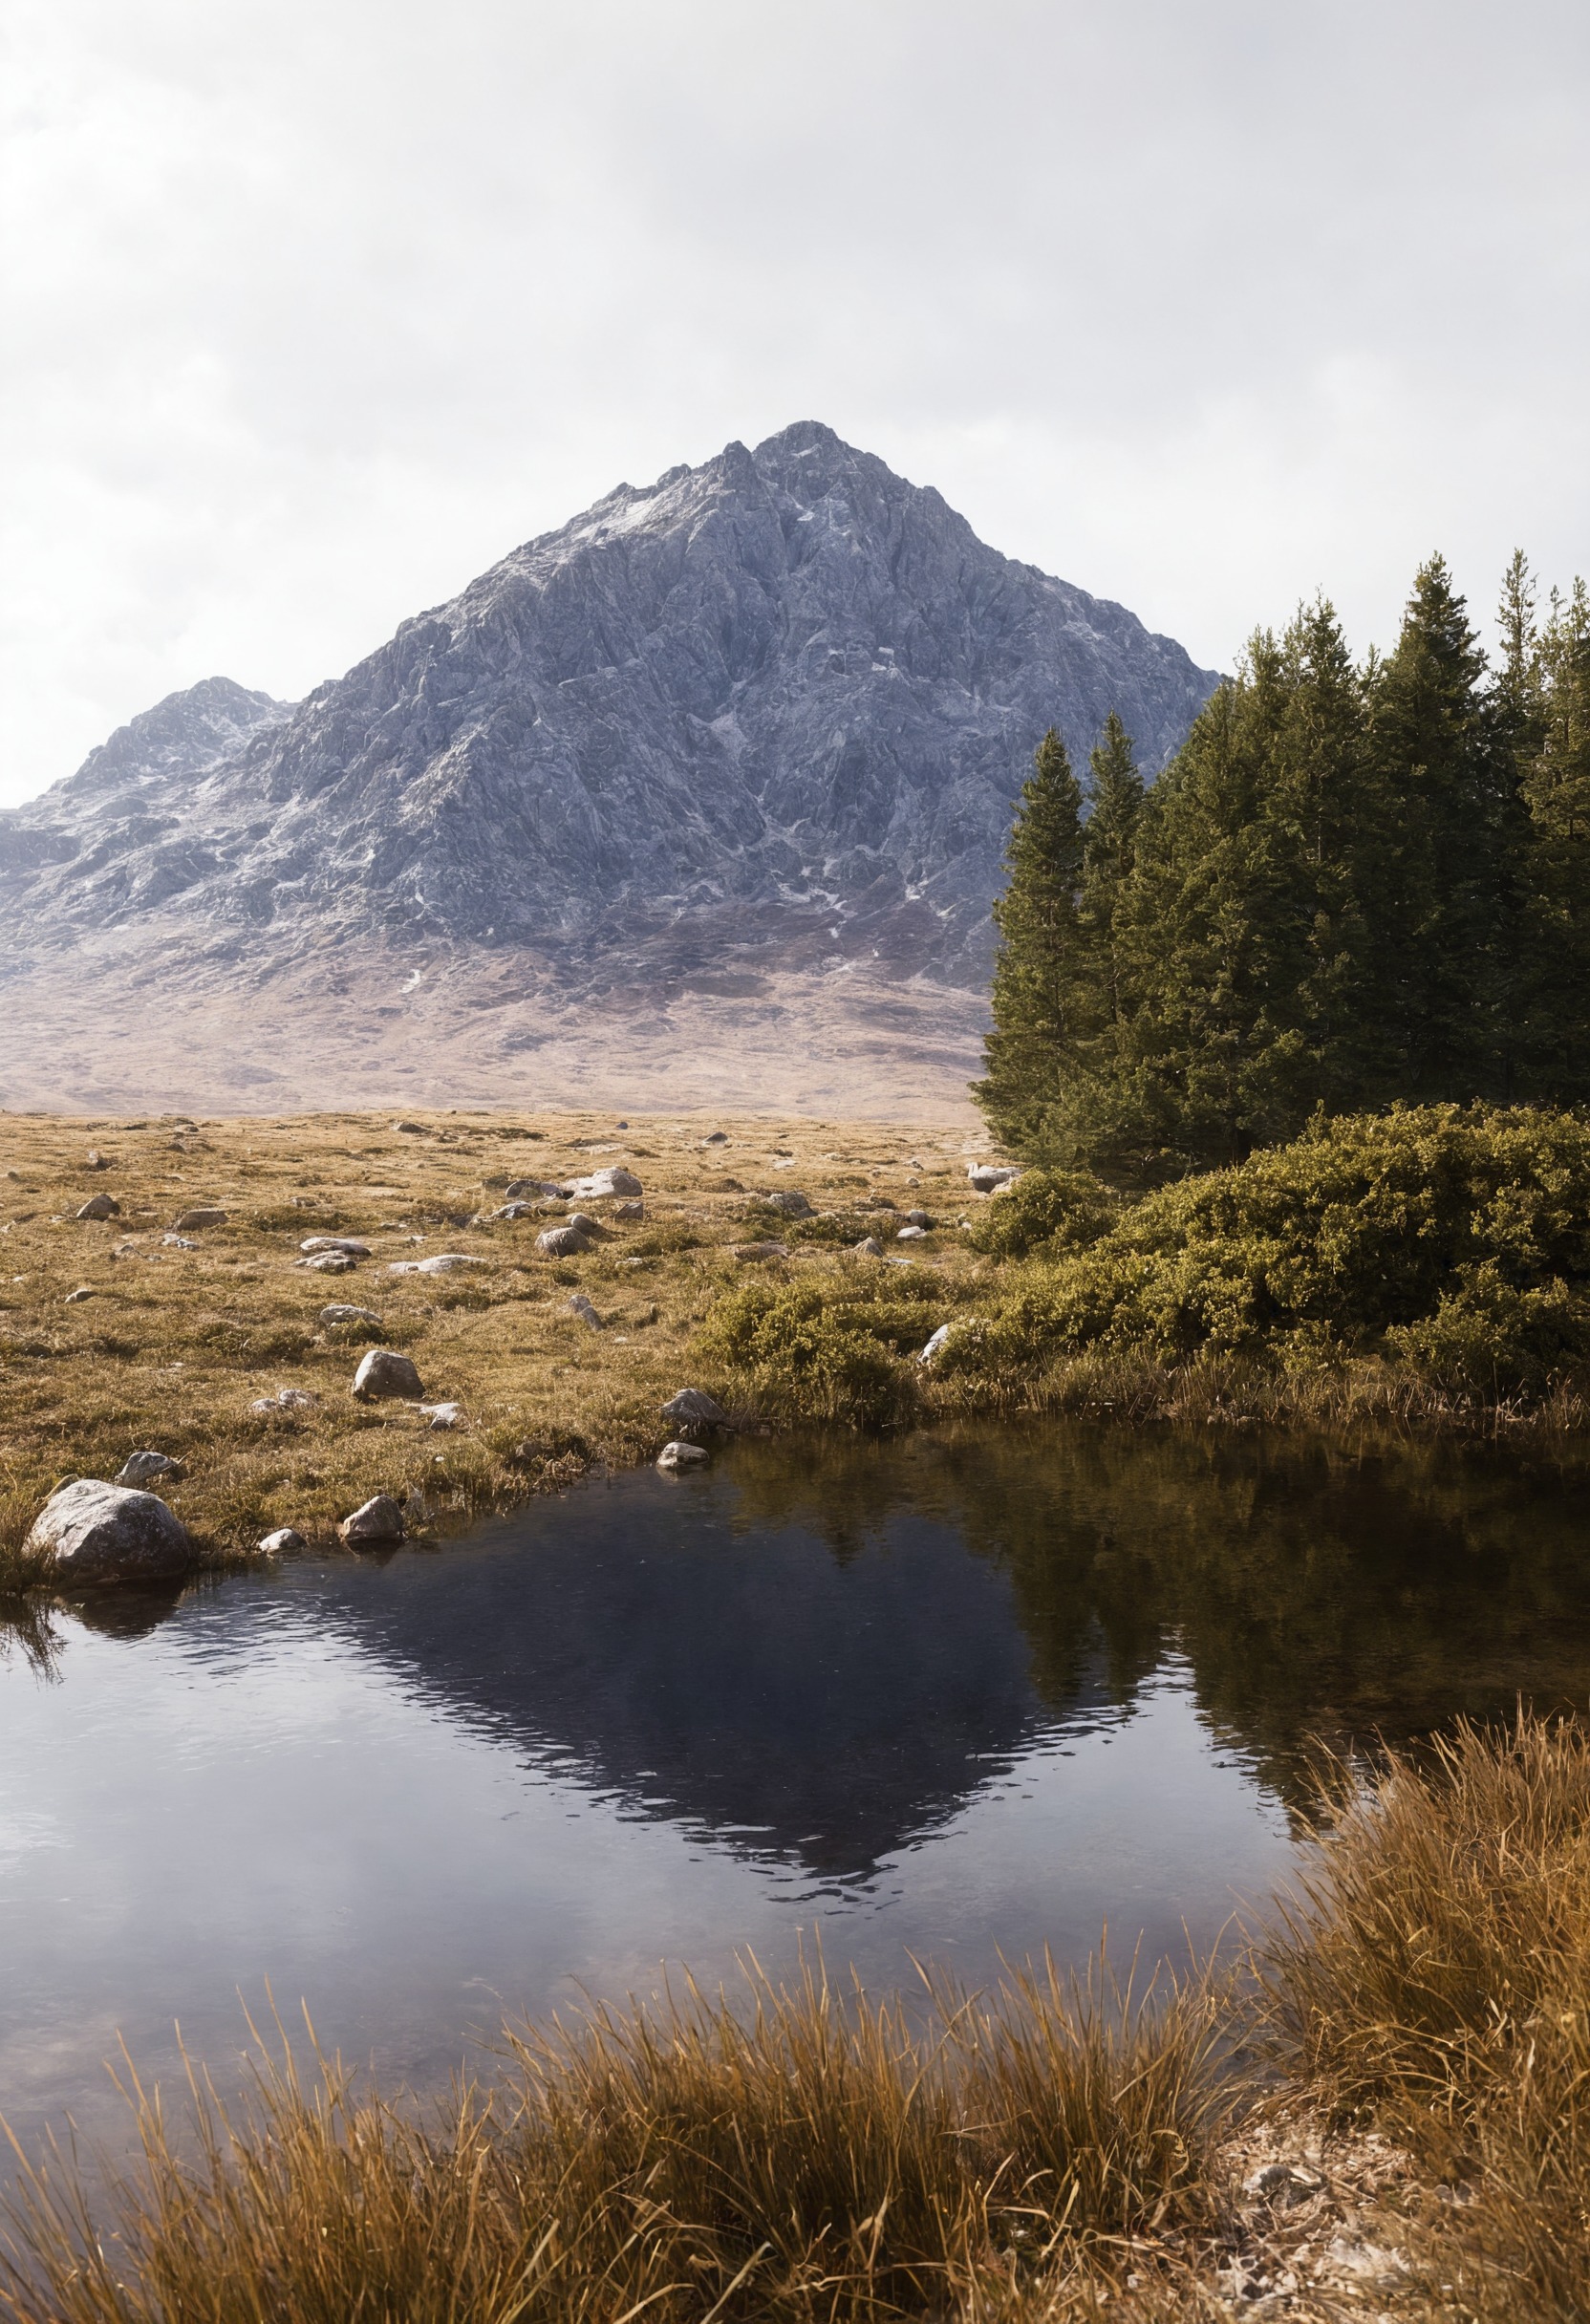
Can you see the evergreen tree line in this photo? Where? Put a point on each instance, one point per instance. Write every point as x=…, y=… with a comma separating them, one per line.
x=1355, y=884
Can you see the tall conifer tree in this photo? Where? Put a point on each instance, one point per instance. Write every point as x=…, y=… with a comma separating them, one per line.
x=1044, y=997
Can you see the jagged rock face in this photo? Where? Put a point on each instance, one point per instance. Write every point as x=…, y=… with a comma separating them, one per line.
x=769, y=711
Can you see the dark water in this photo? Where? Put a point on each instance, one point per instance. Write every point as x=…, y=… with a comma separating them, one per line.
x=955, y=1697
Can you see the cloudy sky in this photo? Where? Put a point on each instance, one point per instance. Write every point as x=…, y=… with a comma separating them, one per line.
x=315, y=308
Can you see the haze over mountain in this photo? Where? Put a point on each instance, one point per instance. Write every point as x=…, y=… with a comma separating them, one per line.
x=750, y=735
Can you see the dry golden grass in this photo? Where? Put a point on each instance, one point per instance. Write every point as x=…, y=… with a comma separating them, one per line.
x=172, y=1346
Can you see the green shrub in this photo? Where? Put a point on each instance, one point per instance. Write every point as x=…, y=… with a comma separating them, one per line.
x=1489, y=1339
x=822, y=1352
x=1045, y=1210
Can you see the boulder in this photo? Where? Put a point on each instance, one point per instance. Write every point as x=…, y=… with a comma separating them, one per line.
x=926, y=1355
x=581, y=1307
x=329, y=1262
x=142, y=1468
x=692, y=1407
x=583, y=1224
x=336, y=1314
x=562, y=1242
x=755, y=1252
x=188, y=1222
x=517, y=1188
x=911, y=1235
x=282, y=1543
x=987, y=1178
x=100, y=1206
x=629, y=1209
x=442, y=1263
x=384, y=1372
x=715, y=1137
x=604, y=1182
x=793, y=1204
x=410, y=1130
x=512, y=1211
x=177, y=1243
x=84, y=1291
x=285, y=1400
x=869, y=1247
x=676, y=1456
x=377, y=1524
x=919, y=1218
x=96, y=1535
x=349, y=1244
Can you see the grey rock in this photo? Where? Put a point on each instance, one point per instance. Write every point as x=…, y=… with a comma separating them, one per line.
x=911, y=1235
x=869, y=1247
x=793, y=1205
x=442, y=1415
x=926, y=1355
x=100, y=1206
x=179, y=1242
x=581, y=1307
x=384, y=1372
x=329, y=1262
x=96, y=1160
x=583, y=1224
x=97, y=1534
x=440, y=1262
x=284, y=1542
x=333, y=1317
x=604, y=1182
x=919, y=1218
x=188, y=1222
x=987, y=1178
x=285, y=1400
x=518, y=1188
x=755, y=1252
x=673, y=731
x=375, y=1524
x=562, y=1243
x=692, y=1407
x=679, y=1456
x=715, y=1137
x=627, y=1210
x=349, y=1245
x=142, y=1468
x=410, y=1130
x=74, y=1299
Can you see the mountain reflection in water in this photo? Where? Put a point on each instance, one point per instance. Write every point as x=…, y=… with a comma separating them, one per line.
x=961, y=1695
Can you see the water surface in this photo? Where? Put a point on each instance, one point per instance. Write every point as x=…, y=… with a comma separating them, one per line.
x=959, y=1697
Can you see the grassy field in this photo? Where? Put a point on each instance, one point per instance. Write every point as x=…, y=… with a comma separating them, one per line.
x=1380, y=2112
x=172, y=1346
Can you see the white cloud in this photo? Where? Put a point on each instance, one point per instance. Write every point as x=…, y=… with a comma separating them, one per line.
x=315, y=309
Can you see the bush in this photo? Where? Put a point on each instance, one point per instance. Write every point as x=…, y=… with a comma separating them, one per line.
x=825, y=1355
x=1045, y=1210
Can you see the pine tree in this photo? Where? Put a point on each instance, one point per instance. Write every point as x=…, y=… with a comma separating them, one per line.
x=1044, y=997
x=1556, y=791
x=1109, y=846
x=1454, y=923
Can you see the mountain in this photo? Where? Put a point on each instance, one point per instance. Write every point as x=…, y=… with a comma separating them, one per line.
x=764, y=718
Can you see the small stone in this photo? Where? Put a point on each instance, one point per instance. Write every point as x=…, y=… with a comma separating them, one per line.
x=987, y=1178
x=331, y=1318
x=375, y=1524
x=677, y=1455
x=518, y=1188
x=911, y=1235
x=285, y=1400
x=384, y=1372
x=756, y=1252
x=100, y=1534
x=284, y=1542
x=581, y=1307
x=187, y=1222
x=410, y=1130
x=869, y=1247
x=786, y=1200
x=84, y=1291
x=692, y=1407
x=143, y=1467
x=926, y=1354
x=349, y=1244
x=97, y=1161
x=100, y=1206
x=629, y=1209
x=442, y=1262
x=583, y=1224
x=715, y=1137
x=329, y=1262
x=603, y=1183
x=562, y=1243
x=443, y=1415
x=179, y=1242
x=919, y=1218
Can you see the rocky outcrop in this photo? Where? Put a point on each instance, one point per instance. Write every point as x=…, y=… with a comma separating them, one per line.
x=766, y=713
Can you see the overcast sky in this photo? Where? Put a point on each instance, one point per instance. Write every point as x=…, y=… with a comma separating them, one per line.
x=316, y=307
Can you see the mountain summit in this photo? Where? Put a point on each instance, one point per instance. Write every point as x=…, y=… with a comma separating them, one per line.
x=767, y=715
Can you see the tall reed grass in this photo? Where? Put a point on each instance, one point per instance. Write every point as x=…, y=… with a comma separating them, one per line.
x=799, y=2151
